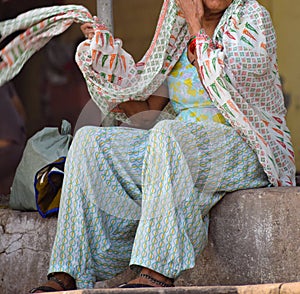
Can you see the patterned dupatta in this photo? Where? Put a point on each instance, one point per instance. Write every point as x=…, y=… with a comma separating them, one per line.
x=237, y=67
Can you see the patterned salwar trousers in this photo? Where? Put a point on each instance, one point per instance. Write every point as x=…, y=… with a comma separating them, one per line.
x=142, y=197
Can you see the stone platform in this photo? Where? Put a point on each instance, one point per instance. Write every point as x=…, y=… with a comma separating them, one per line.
x=285, y=288
x=254, y=238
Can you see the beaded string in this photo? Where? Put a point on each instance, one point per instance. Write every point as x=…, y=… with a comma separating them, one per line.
x=192, y=44
x=154, y=281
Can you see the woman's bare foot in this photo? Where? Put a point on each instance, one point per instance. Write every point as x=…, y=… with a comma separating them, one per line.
x=152, y=278
x=58, y=282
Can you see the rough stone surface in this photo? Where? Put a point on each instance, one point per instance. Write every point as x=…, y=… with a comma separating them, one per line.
x=25, y=244
x=254, y=238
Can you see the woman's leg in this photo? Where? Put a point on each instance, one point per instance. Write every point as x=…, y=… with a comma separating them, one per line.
x=187, y=170
x=100, y=207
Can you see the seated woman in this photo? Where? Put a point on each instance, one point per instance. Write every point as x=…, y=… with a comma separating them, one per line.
x=139, y=197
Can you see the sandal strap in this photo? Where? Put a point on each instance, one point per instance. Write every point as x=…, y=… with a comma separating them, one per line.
x=43, y=288
x=51, y=277
x=157, y=282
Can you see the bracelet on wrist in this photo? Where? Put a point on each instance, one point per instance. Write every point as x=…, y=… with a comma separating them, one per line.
x=192, y=46
x=193, y=37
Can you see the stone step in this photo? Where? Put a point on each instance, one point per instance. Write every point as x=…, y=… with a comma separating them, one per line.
x=286, y=288
x=254, y=238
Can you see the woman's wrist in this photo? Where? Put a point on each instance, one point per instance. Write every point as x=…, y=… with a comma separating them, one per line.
x=192, y=45
x=195, y=27
x=193, y=39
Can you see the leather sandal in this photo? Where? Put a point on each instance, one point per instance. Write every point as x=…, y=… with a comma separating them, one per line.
x=51, y=277
x=157, y=282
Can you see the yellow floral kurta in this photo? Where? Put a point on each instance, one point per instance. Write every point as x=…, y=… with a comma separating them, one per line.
x=189, y=99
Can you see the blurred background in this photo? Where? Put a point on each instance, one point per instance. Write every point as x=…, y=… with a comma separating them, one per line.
x=51, y=87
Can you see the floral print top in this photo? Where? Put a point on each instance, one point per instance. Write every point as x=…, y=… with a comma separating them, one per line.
x=189, y=99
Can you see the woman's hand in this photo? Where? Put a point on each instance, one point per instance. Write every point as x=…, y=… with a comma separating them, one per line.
x=143, y=114
x=88, y=30
x=193, y=11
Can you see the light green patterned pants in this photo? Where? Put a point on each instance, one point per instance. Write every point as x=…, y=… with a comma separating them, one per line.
x=143, y=197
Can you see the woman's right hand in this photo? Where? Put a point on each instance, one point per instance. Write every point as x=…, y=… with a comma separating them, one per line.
x=193, y=11
x=88, y=30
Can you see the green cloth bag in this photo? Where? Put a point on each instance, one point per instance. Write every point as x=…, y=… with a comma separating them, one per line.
x=41, y=149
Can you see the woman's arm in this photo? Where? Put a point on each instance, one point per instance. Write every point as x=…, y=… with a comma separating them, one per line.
x=143, y=114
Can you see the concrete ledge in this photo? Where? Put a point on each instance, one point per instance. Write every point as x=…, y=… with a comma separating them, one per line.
x=254, y=238
x=289, y=288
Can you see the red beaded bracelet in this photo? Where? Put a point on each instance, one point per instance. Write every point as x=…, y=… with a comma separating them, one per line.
x=192, y=42
x=191, y=39
x=192, y=46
